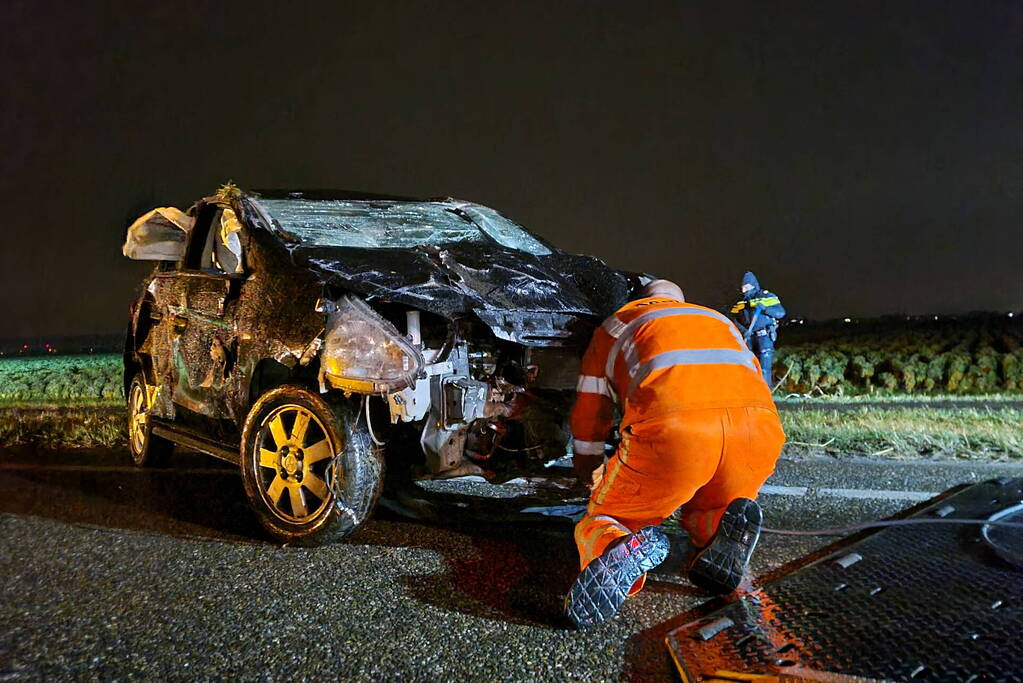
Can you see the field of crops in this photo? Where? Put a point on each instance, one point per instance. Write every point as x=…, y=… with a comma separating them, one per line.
x=62, y=380
x=77, y=401
x=885, y=357
x=981, y=355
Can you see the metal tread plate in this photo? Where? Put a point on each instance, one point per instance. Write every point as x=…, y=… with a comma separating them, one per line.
x=927, y=602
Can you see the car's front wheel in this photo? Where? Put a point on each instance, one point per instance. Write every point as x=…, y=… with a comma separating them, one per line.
x=300, y=457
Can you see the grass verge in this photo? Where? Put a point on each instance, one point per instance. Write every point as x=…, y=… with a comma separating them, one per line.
x=60, y=427
x=895, y=432
x=895, y=399
x=993, y=433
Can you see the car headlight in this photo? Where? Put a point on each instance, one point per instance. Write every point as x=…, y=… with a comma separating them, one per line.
x=365, y=353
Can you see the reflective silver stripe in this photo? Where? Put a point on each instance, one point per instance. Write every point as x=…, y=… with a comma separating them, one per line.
x=587, y=447
x=692, y=357
x=592, y=385
x=613, y=326
x=631, y=355
x=629, y=329
x=612, y=521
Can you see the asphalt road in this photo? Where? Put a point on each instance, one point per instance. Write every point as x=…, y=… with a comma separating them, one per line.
x=112, y=572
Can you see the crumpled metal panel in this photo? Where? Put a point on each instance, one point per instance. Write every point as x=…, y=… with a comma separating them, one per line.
x=230, y=325
x=913, y=603
x=158, y=235
x=458, y=277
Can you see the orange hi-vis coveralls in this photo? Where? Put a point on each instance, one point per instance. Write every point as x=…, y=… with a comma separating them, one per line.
x=699, y=428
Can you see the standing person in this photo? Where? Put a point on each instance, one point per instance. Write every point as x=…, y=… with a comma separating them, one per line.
x=699, y=431
x=760, y=311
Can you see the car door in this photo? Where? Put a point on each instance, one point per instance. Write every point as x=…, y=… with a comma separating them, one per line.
x=205, y=340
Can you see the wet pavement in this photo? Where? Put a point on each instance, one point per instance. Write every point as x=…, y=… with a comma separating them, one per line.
x=113, y=572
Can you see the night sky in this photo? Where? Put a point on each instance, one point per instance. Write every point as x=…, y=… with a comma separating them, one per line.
x=862, y=157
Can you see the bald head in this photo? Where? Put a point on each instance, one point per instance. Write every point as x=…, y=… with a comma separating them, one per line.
x=662, y=288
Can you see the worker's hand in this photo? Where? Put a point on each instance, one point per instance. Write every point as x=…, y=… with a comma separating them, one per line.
x=585, y=466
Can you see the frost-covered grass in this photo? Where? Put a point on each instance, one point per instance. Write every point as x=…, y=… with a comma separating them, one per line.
x=77, y=401
x=62, y=381
x=898, y=432
x=896, y=399
x=62, y=427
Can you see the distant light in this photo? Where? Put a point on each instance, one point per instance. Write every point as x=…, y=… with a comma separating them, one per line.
x=1010, y=314
x=847, y=320
x=935, y=317
x=25, y=346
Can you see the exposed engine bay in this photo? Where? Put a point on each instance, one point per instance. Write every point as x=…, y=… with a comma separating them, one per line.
x=473, y=402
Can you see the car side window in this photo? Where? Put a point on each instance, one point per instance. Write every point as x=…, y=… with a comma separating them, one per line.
x=221, y=250
x=225, y=241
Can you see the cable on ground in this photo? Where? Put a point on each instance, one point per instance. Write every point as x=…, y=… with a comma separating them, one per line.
x=842, y=530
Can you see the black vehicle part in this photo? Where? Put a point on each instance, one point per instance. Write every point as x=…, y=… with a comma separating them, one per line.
x=999, y=519
x=195, y=438
x=147, y=449
x=1008, y=545
x=449, y=342
x=924, y=600
x=298, y=453
x=533, y=299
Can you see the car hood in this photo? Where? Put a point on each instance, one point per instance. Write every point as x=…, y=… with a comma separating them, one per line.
x=520, y=296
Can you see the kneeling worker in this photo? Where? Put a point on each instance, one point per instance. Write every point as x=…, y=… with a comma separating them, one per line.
x=699, y=431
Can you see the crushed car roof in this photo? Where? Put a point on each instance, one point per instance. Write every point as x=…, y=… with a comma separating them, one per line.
x=389, y=224
x=381, y=247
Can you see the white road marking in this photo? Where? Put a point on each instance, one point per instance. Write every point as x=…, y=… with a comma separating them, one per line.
x=877, y=493
x=783, y=490
x=868, y=494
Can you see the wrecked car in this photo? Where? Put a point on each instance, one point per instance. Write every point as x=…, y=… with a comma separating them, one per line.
x=311, y=338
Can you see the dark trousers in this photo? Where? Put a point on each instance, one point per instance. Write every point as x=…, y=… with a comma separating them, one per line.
x=764, y=348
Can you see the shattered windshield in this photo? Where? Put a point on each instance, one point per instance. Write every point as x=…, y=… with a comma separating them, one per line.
x=397, y=224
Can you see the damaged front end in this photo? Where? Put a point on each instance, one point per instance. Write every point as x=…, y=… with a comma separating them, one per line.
x=469, y=398
x=295, y=335
x=494, y=321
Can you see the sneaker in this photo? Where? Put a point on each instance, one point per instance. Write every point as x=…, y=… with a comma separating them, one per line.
x=603, y=585
x=719, y=566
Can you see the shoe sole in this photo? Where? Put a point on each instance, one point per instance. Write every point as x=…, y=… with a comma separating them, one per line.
x=603, y=585
x=720, y=566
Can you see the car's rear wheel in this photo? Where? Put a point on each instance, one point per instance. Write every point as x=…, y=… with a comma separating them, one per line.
x=147, y=449
x=301, y=456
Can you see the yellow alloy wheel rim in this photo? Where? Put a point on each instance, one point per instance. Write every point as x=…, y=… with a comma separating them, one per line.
x=138, y=419
x=293, y=455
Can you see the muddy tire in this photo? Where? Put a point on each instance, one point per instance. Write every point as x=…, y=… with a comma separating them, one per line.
x=288, y=448
x=147, y=449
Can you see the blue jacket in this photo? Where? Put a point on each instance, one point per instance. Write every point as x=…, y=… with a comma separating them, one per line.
x=757, y=299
